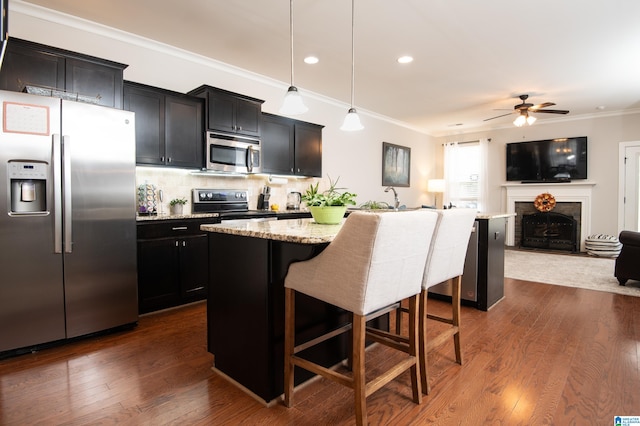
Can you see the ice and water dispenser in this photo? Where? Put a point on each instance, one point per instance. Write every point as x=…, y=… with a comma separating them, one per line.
x=28, y=189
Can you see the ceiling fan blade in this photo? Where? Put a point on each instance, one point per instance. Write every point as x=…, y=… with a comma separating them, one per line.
x=552, y=111
x=544, y=105
x=498, y=116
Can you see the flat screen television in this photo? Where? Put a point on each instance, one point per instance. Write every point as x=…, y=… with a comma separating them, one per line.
x=551, y=160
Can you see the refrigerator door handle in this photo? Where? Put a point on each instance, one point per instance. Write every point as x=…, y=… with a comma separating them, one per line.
x=56, y=165
x=66, y=193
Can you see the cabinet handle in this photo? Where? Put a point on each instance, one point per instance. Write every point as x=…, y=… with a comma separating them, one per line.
x=179, y=228
x=177, y=242
x=292, y=170
x=162, y=158
x=169, y=159
x=184, y=244
x=496, y=235
x=239, y=127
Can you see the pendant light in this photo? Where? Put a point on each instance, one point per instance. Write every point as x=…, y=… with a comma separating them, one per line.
x=292, y=104
x=352, y=120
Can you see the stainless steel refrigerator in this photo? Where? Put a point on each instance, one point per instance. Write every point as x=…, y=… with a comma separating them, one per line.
x=67, y=220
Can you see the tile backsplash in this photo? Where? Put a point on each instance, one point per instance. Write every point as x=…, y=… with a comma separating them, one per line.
x=178, y=183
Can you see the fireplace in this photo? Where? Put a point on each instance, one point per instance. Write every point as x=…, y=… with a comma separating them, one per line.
x=571, y=192
x=549, y=230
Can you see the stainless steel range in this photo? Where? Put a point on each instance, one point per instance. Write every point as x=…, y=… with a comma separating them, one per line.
x=231, y=204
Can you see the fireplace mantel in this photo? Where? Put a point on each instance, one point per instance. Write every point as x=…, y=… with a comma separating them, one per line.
x=563, y=192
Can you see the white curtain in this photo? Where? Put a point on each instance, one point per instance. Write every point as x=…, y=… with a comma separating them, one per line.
x=483, y=177
x=459, y=163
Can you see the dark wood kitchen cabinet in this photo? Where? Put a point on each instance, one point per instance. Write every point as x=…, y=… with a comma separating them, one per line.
x=172, y=263
x=169, y=126
x=32, y=64
x=291, y=147
x=229, y=112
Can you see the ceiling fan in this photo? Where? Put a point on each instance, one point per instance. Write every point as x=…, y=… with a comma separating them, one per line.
x=523, y=109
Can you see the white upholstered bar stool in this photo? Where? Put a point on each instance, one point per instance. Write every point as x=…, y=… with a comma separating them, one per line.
x=376, y=260
x=445, y=262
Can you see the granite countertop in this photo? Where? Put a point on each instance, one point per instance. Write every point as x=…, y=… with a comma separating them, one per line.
x=302, y=231
x=144, y=218
x=281, y=214
x=493, y=215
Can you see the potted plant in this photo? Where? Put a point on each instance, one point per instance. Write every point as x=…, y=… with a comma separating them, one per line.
x=328, y=207
x=176, y=205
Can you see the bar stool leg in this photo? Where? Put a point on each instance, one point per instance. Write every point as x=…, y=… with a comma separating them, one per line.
x=289, y=343
x=414, y=348
x=422, y=339
x=359, y=382
x=455, y=304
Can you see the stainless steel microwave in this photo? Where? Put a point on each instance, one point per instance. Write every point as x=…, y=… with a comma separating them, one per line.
x=233, y=154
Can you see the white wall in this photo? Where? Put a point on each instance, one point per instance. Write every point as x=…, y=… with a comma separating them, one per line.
x=603, y=137
x=354, y=157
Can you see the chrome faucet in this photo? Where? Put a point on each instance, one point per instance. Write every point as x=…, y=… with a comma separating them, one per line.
x=396, y=202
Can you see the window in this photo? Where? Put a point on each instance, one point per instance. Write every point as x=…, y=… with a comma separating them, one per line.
x=464, y=173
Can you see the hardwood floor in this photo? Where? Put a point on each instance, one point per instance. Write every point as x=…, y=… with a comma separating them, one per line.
x=544, y=355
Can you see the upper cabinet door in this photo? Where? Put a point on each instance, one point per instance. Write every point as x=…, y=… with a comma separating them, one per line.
x=291, y=147
x=96, y=81
x=229, y=112
x=169, y=126
x=277, y=145
x=33, y=64
x=184, y=132
x=248, y=117
x=22, y=67
x=149, y=108
x=308, y=149
x=221, y=113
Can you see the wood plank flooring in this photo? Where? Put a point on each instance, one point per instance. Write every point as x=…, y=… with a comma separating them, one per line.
x=544, y=355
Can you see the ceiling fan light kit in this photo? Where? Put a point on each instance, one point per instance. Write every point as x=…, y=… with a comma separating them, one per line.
x=293, y=103
x=523, y=109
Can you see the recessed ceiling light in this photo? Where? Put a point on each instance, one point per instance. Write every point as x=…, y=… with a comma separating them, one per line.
x=311, y=60
x=405, y=59
x=600, y=107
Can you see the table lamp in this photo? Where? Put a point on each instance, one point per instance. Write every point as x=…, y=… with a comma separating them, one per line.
x=436, y=186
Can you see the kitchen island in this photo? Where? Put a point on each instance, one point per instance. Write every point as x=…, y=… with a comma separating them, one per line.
x=245, y=306
x=248, y=263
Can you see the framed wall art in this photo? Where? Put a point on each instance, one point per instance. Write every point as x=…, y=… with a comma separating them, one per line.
x=396, y=165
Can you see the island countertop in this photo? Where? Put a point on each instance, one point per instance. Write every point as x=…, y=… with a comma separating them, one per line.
x=302, y=231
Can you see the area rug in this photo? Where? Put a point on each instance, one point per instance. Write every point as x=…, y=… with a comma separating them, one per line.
x=570, y=270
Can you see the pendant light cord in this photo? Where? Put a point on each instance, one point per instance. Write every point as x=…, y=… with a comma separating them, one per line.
x=291, y=36
x=353, y=56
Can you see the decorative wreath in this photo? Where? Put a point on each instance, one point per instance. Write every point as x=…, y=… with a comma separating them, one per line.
x=544, y=202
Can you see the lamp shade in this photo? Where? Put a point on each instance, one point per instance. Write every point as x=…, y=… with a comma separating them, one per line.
x=352, y=121
x=435, y=185
x=293, y=104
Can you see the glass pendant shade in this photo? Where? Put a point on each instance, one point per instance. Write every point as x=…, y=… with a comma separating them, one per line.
x=293, y=104
x=352, y=121
x=531, y=119
x=520, y=120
